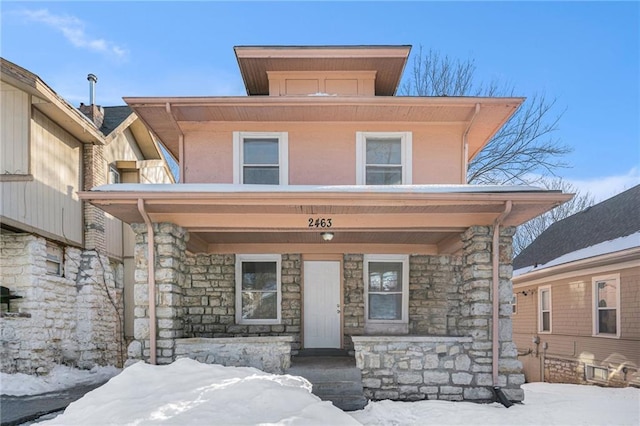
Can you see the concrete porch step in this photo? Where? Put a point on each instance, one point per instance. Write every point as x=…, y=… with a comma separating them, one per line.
x=334, y=378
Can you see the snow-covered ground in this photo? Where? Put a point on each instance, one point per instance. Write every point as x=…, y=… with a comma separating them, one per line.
x=189, y=393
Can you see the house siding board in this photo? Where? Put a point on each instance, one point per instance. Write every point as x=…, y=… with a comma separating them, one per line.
x=437, y=149
x=55, y=164
x=14, y=130
x=571, y=344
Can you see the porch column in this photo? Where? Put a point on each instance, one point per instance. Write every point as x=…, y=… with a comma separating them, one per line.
x=170, y=249
x=476, y=312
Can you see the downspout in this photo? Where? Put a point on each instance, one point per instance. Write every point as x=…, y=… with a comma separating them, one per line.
x=465, y=145
x=495, y=292
x=152, y=281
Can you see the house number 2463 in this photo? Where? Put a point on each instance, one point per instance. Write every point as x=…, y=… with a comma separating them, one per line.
x=319, y=222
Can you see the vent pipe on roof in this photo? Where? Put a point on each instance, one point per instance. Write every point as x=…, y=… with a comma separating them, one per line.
x=92, y=88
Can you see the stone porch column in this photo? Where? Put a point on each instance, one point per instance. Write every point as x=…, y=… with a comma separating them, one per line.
x=476, y=311
x=170, y=245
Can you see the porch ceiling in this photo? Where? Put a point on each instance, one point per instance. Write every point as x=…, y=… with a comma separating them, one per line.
x=219, y=220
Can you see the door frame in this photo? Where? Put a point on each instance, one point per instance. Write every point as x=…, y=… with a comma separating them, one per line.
x=323, y=257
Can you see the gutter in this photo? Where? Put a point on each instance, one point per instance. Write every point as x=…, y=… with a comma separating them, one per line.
x=495, y=292
x=151, y=278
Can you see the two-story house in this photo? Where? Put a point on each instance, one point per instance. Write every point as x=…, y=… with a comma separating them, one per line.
x=322, y=211
x=69, y=265
x=576, y=314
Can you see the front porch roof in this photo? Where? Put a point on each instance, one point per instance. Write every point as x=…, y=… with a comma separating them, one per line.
x=234, y=218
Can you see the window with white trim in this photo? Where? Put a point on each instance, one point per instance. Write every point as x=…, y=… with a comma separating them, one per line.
x=383, y=158
x=260, y=158
x=514, y=304
x=114, y=174
x=386, y=288
x=54, y=259
x=596, y=374
x=544, y=309
x=606, y=303
x=258, y=289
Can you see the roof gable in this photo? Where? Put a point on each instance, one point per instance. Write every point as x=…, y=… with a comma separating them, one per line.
x=616, y=217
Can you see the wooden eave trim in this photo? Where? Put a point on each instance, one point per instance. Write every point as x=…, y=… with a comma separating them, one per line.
x=320, y=52
x=579, y=267
x=321, y=198
x=436, y=101
x=121, y=127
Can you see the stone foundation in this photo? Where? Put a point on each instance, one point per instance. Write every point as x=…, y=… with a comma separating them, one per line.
x=74, y=319
x=412, y=368
x=270, y=354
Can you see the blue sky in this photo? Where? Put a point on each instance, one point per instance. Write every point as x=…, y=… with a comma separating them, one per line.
x=584, y=54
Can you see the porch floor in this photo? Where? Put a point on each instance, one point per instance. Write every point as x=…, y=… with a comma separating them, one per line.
x=334, y=378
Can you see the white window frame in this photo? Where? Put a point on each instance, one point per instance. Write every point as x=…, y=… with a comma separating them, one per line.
x=241, y=258
x=114, y=172
x=595, y=307
x=283, y=154
x=380, y=325
x=514, y=304
x=589, y=373
x=406, y=154
x=541, y=290
x=54, y=256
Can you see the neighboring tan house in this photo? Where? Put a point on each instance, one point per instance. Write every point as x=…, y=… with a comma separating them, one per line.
x=66, y=261
x=321, y=211
x=576, y=311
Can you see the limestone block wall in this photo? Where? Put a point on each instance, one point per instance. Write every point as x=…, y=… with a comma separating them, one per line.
x=270, y=354
x=74, y=319
x=353, y=312
x=209, y=299
x=434, y=295
x=170, y=278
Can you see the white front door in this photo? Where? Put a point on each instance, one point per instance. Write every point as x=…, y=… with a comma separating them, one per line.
x=322, y=304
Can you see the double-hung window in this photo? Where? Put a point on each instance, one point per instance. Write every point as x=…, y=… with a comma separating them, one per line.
x=606, y=302
x=383, y=158
x=387, y=291
x=258, y=289
x=544, y=309
x=260, y=158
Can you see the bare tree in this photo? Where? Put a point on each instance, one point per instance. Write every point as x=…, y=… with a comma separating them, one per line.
x=529, y=231
x=524, y=146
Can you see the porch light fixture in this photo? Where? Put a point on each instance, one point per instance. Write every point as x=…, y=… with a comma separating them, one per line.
x=327, y=236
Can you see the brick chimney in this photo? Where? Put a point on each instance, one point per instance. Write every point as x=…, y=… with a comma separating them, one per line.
x=93, y=111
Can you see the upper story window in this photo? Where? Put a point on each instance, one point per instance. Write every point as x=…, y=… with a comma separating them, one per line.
x=386, y=288
x=606, y=316
x=544, y=309
x=383, y=158
x=258, y=289
x=114, y=174
x=260, y=158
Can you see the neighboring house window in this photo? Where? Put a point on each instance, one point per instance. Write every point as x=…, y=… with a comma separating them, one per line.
x=596, y=374
x=544, y=309
x=386, y=288
x=606, y=318
x=514, y=304
x=258, y=289
x=54, y=259
x=260, y=158
x=114, y=174
x=383, y=158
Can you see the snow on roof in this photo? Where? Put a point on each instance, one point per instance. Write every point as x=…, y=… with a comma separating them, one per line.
x=408, y=189
x=612, y=246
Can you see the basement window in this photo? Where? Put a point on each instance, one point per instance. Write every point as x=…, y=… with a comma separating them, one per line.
x=54, y=259
x=596, y=374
